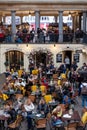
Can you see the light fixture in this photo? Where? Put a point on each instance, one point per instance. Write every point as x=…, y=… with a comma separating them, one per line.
x=26, y=45
x=54, y=45
x=69, y=14
x=29, y=14
x=83, y=50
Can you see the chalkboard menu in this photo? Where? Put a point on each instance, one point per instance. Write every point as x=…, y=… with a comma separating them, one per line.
x=59, y=58
x=76, y=57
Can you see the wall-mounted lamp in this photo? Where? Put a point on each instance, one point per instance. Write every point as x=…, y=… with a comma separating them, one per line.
x=69, y=14
x=29, y=14
x=54, y=45
x=83, y=50
x=26, y=45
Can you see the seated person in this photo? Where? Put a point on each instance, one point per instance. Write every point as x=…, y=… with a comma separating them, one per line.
x=42, y=107
x=56, y=115
x=11, y=111
x=57, y=112
x=29, y=107
x=66, y=101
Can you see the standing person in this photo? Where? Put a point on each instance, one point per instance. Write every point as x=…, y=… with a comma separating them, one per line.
x=74, y=65
x=84, y=67
x=79, y=80
x=84, y=93
x=62, y=68
x=32, y=33
x=44, y=33
x=67, y=62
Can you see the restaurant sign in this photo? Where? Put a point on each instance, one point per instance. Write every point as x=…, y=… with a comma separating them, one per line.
x=79, y=51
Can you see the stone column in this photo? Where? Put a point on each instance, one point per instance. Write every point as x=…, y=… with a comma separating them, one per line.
x=0, y=18
x=84, y=22
x=21, y=19
x=74, y=25
x=80, y=15
x=3, y=19
x=72, y=22
x=13, y=25
x=55, y=18
x=60, y=26
x=37, y=20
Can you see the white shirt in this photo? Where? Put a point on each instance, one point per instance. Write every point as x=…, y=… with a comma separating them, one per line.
x=29, y=107
x=67, y=60
x=83, y=84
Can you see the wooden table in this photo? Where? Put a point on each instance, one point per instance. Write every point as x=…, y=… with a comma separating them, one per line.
x=74, y=117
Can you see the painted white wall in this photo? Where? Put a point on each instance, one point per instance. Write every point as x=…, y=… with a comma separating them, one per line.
x=59, y=48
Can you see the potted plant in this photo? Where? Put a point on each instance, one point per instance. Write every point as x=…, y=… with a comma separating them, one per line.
x=6, y=63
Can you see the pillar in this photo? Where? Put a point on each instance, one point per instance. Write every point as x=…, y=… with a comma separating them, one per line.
x=60, y=26
x=21, y=19
x=0, y=18
x=37, y=20
x=13, y=25
x=3, y=19
x=80, y=15
x=55, y=18
x=84, y=22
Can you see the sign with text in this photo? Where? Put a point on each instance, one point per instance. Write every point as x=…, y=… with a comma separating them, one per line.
x=59, y=58
x=76, y=57
x=78, y=51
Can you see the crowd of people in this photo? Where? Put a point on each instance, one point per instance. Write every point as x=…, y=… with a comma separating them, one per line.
x=26, y=35
x=41, y=92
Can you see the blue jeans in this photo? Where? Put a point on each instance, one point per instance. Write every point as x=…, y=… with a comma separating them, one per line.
x=29, y=120
x=84, y=100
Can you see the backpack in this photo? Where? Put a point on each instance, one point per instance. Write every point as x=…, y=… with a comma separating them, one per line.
x=84, y=90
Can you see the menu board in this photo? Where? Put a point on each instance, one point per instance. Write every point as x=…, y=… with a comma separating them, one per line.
x=76, y=57
x=59, y=58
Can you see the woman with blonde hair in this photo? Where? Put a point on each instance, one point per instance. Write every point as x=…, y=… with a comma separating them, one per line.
x=29, y=107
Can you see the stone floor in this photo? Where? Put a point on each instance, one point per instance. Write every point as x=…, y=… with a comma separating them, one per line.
x=77, y=107
x=23, y=126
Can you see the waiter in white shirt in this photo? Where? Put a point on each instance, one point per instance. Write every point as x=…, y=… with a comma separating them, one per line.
x=67, y=62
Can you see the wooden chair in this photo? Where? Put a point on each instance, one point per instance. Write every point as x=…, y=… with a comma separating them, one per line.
x=81, y=126
x=18, y=96
x=41, y=123
x=10, y=102
x=71, y=126
x=54, y=95
x=15, y=125
x=48, y=117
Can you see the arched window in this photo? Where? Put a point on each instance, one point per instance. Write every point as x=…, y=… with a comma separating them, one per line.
x=15, y=59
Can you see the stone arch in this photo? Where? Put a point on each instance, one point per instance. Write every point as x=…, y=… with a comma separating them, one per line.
x=14, y=59
x=43, y=56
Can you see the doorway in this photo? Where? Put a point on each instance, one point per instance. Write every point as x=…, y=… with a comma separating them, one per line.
x=40, y=58
x=69, y=55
